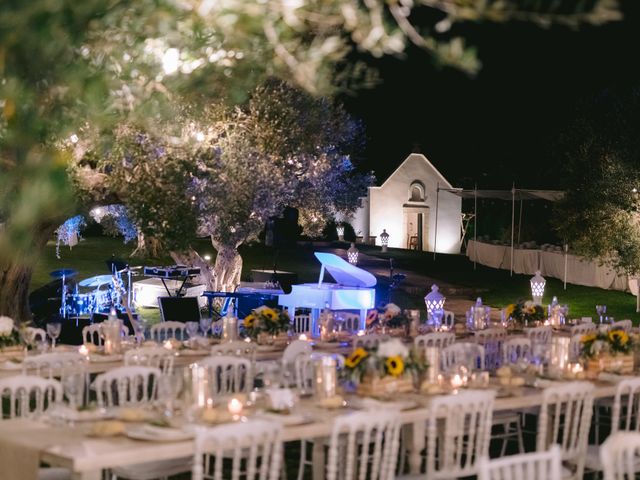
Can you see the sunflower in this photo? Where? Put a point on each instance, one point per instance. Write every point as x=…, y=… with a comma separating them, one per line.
x=270, y=314
x=511, y=308
x=356, y=357
x=249, y=321
x=590, y=337
x=395, y=365
x=618, y=336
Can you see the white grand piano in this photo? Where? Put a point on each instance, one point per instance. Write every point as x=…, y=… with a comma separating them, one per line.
x=353, y=290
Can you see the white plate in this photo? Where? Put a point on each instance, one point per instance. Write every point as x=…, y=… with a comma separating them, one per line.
x=9, y=365
x=287, y=420
x=188, y=352
x=65, y=413
x=105, y=358
x=152, y=433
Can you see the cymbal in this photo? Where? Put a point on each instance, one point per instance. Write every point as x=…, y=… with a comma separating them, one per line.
x=96, y=281
x=63, y=272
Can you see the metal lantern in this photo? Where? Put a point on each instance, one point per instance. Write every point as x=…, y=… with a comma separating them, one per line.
x=384, y=239
x=340, y=231
x=352, y=254
x=434, y=300
x=537, y=287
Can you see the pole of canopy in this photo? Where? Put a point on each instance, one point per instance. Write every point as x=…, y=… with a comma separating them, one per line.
x=435, y=238
x=566, y=255
x=519, y=221
x=475, y=225
x=513, y=218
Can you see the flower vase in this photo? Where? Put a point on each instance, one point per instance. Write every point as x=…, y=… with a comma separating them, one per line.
x=381, y=386
x=264, y=338
x=605, y=362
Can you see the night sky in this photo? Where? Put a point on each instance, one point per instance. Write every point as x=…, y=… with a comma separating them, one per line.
x=492, y=127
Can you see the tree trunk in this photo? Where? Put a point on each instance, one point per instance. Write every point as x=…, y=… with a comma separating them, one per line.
x=148, y=247
x=228, y=267
x=15, y=279
x=191, y=257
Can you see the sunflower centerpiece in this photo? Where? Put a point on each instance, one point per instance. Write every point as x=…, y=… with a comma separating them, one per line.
x=9, y=336
x=385, y=370
x=389, y=318
x=266, y=322
x=608, y=351
x=524, y=314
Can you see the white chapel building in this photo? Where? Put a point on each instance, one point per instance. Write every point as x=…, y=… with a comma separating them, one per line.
x=405, y=206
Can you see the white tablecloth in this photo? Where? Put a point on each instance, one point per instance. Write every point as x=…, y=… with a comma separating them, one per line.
x=580, y=271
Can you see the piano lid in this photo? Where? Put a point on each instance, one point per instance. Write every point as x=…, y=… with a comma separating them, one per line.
x=344, y=273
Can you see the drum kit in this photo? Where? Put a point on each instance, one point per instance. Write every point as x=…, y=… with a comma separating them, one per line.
x=97, y=294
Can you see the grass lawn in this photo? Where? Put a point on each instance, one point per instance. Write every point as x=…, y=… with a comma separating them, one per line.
x=496, y=287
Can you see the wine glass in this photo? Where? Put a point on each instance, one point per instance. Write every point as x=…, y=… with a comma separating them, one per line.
x=192, y=329
x=73, y=383
x=601, y=310
x=53, y=330
x=205, y=325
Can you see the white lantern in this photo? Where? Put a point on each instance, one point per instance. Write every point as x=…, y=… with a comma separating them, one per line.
x=434, y=301
x=352, y=254
x=384, y=239
x=537, y=287
x=340, y=231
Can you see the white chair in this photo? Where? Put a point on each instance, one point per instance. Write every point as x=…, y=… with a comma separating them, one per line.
x=36, y=334
x=458, y=433
x=565, y=419
x=516, y=349
x=55, y=364
x=165, y=330
x=622, y=325
x=236, y=349
x=228, y=374
x=524, y=466
x=625, y=416
x=491, y=339
x=26, y=396
x=364, y=446
x=540, y=334
x=158, y=357
x=301, y=323
x=620, y=456
x=131, y=385
x=583, y=328
x=434, y=339
x=93, y=333
x=449, y=319
x=254, y=447
x=575, y=347
x=369, y=341
x=295, y=348
x=469, y=355
x=351, y=322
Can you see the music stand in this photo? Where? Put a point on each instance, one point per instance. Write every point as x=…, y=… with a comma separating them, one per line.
x=179, y=309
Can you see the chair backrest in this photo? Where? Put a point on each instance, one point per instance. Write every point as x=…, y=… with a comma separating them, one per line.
x=620, y=456
x=158, y=357
x=458, y=433
x=364, y=446
x=130, y=385
x=470, y=355
x=491, y=339
x=253, y=448
x=622, y=325
x=583, y=328
x=434, y=339
x=625, y=414
x=27, y=395
x=92, y=334
x=449, y=319
x=164, y=330
x=575, y=347
x=515, y=349
x=351, y=322
x=303, y=373
x=236, y=349
x=294, y=349
x=36, y=334
x=55, y=364
x=369, y=341
x=565, y=418
x=301, y=323
x=523, y=466
x=540, y=334
x=228, y=374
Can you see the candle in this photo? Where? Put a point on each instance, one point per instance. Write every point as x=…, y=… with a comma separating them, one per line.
x=83, y=350
x=456, y=381
x=303, y=337
x=247, y=339
x=168, y=345
x=235, y=408
x=360, y=333
x=108, y=347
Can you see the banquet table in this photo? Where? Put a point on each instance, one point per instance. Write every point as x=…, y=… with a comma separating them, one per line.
x=86, y=457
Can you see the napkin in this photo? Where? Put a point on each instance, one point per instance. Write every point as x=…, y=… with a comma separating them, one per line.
x=281, y=398
x=9, y=365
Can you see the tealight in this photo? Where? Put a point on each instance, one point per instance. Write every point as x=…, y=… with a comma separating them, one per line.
x=303, y=337
x=168, y=345
x=235, y=407
x=83, y=350
x=456, y=381
x=360, y=333
x=247, y=339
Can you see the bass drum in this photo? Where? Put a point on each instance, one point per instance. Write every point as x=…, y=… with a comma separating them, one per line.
x=81, y=304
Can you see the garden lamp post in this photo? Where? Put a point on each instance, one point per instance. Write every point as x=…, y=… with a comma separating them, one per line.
x=340, y=232
x=384, y=239
x=352, y=254
x=537, y=287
